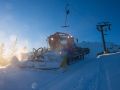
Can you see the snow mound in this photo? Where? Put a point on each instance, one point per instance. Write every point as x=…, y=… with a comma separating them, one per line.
x=15, y=61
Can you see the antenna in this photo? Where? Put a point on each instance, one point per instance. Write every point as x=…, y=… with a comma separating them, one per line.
x=67, y=12
x=103, y=27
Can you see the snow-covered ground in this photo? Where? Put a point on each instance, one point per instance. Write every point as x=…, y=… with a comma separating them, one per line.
x=92, y=73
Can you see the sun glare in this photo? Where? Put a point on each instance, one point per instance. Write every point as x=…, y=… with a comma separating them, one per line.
x=8, y=51
x=20, y=51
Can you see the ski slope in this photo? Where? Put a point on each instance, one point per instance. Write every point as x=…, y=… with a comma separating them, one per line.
x=93, y=73
x=76, y=77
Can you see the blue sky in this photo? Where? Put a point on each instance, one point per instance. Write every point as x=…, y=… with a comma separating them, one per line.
x=32, y=21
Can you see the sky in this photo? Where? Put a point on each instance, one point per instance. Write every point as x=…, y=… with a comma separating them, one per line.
x=32, y=21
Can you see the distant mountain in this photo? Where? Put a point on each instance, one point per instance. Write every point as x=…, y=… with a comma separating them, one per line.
x=97, y=47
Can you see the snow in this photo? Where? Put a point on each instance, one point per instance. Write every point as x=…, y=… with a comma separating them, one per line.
x=25, y=79
x=51, y=60
x=93, y=73
x=97, y=47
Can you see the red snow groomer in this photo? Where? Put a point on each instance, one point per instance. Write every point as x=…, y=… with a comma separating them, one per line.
x=64, y=43
x=63, y=51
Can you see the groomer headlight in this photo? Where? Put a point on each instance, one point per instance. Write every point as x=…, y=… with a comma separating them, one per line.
x=68, y=37
x=51, y=39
